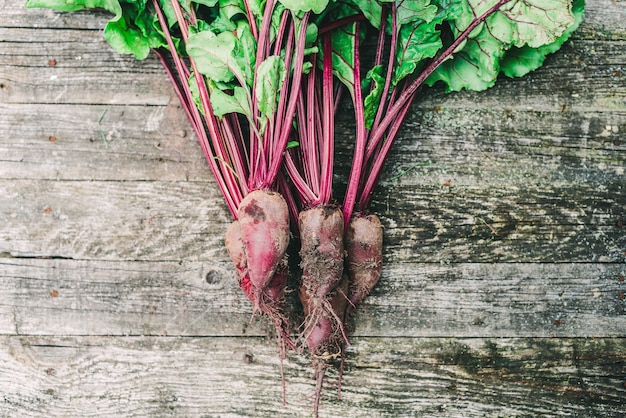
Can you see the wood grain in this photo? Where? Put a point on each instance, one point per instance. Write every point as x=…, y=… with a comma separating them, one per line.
x=233, y=377
x=505, y=246
x=78, y=297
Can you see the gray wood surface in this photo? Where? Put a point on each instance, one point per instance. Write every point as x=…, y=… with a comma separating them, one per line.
x=503, y=288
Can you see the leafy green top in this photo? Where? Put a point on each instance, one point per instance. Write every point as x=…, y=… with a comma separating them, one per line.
x=464, y=44
x=247, y=57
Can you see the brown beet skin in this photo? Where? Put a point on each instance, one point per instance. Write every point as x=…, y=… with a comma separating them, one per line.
x=325, y=339
x=364, y=255
x=321, y=251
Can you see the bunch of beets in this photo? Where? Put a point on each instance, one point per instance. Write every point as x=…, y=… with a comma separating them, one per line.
x=261, y=81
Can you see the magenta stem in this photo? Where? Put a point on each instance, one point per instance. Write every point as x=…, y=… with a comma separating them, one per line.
x=192, y=111
x=359, y=147
x=328, y=125
x=396, y=112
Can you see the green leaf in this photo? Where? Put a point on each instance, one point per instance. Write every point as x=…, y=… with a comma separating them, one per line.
x=477, y=63
x=475, y=67
x=229, y=10
x=316, y=6
x=137, y=32
x=416, y=42
x=208, y=3
x=224, y=98
x=522, y=22
x=450, y=10
x=538, y=22
x=170, y=14
x=277, y=15
x=410, y=11
x=231, y=102
x=127, y=40
x=200, y=26
x=372, y=10
x=372, y=100
x=215, y=55
x=195, y=92
x=257, y=7
x=270, y=77
x=247, y=52
x=518, y=62
x=311, y=34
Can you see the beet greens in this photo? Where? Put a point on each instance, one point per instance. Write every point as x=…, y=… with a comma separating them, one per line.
x=459, y=43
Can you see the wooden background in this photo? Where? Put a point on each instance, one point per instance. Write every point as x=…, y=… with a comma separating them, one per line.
x=504, y=211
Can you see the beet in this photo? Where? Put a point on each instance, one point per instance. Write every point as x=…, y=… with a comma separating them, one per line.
x=364, y=255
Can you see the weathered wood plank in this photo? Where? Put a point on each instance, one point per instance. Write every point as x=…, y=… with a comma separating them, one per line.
x=574, y=224
x=74, y=297
x=70, y=297
x=512, y=230
x=186, y=220
x=603, y=18
x=586, y=75
x=590, y=74
x=145, y=377
x=75, y=66
x=146, y=142
x=480, y=146
x=112, y=220
x=108, y=142
x=33, y=37
x=16, y=15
